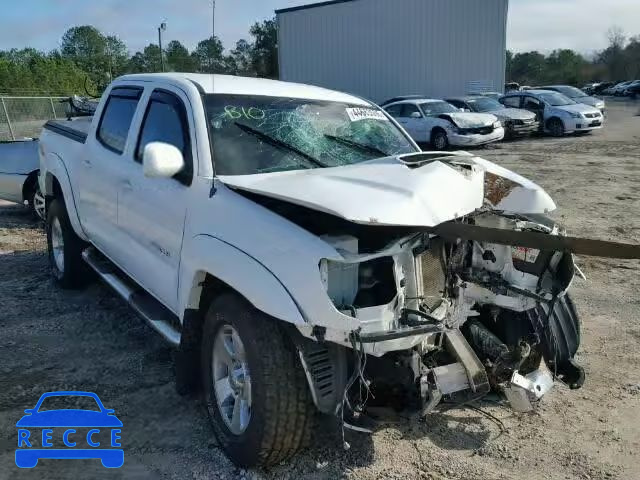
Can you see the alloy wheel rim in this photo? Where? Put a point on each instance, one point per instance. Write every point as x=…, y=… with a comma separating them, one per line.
x=231, y=379
x=57, y=244
x=39, y=204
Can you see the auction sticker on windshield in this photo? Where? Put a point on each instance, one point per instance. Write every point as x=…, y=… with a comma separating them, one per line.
x=54, y=430
x=356, y=114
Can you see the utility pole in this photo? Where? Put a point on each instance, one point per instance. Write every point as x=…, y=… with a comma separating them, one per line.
x=161, y=28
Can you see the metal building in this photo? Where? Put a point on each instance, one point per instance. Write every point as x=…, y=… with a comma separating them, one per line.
x=383, y=48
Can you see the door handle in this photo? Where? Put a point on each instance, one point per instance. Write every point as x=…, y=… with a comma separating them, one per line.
x=87, y=162
x=126, y=185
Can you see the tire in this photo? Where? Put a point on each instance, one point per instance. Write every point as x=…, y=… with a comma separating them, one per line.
x=37, y=203
x=439, y=140
x=281, y=413
x=556, y=127
x=64, y=248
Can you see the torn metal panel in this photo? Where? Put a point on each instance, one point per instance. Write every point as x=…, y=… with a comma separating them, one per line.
x=541, y=241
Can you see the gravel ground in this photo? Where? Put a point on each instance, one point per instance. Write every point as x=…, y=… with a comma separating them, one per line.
x=89, y=340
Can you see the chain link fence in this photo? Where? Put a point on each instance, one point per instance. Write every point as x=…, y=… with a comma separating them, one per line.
x=22, y=117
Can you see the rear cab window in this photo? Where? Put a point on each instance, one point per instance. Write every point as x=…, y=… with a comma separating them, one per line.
x=117, y=116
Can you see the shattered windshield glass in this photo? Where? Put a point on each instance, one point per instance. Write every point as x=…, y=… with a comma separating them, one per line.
x=256, y=134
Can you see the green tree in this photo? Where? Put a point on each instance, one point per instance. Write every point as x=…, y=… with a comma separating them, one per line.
x=147, y=61
x=264, y=50
x=178, y=57
x=102, y=57
x=240, y=59
x=208, y=56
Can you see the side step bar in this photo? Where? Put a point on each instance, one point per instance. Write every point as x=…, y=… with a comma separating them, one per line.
x=156, y=315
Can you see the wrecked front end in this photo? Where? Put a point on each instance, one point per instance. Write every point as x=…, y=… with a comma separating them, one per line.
x=454, y=319
x=414, y=305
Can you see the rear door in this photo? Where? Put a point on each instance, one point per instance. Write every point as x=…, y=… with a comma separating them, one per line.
x=152, y=211
x=99, y=171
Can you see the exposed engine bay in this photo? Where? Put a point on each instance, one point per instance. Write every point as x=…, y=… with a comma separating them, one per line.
x=457, y=319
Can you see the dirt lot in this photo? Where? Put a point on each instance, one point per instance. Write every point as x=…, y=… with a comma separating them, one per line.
x=89, y=340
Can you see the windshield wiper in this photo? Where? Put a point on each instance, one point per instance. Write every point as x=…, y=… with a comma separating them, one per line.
x=361, y=146
x=279, y=143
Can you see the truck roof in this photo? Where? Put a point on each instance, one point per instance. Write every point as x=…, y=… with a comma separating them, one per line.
x=232, y=85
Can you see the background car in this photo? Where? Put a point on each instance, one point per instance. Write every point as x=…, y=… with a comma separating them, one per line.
x=619, y=88
x=516, y=121
x=441, y=124
x=632, y=89
x=19, y=167
x=558, y=114
x=577, y=95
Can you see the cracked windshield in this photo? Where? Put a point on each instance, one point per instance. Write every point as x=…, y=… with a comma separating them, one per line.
x=253, y=134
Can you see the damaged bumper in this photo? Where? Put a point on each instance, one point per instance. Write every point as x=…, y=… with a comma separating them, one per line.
x=473, y=140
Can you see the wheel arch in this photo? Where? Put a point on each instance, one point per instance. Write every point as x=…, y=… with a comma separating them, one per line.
x=58, y=185
x=29, y=184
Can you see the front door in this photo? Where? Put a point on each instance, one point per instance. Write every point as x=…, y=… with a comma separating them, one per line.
x=152, y=211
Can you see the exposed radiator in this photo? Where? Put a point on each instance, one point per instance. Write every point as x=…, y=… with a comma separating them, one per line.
x=430, y=275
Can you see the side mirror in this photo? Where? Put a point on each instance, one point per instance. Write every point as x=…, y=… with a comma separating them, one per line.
x=161, y=160
x=29, y=410
x=415, y=115
x=466, y=110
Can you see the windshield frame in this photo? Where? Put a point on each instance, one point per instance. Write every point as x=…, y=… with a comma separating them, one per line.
x=369, y=105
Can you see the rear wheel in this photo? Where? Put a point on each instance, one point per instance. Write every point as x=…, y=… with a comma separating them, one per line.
x=37, y=203
x=439, y=140
x=556, y=127
x=256, y=391
x=65, y=248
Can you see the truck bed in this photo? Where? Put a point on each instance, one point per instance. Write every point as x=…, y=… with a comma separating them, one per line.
x=75, y=129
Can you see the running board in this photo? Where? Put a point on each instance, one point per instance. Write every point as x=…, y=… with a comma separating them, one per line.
x=156, y=315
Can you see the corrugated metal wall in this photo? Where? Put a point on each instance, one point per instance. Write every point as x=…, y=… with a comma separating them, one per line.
x=382, y=48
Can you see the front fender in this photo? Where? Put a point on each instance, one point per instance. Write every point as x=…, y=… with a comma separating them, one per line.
x=56, y=169
x=243, y=273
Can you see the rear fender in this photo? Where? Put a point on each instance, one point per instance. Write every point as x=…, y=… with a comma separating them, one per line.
x=56, y=170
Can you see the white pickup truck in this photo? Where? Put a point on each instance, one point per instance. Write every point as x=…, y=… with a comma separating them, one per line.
x=297, y=249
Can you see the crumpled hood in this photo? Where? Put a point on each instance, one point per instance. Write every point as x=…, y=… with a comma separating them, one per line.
x=389, y=192
x=514, y=114
x=471, y=120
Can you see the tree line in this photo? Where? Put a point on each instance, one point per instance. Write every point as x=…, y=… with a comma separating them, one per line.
x=88, y=60
x=619, y=61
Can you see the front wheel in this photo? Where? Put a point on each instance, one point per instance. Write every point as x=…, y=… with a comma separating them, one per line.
x=256, y=391
x=65, y=247
x=439, y=140
x=556, y=127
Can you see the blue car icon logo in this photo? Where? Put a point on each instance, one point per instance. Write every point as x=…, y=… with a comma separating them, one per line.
x=69, y=433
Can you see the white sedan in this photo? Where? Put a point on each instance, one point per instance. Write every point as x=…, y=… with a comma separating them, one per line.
x=441, y=124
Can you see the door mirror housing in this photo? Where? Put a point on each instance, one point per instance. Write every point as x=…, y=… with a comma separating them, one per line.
x=161, y=160
x=415, y=115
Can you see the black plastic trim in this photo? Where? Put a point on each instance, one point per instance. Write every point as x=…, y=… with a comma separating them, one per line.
x=66, y=131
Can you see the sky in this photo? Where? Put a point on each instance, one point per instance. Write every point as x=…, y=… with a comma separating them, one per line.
x=541, y=25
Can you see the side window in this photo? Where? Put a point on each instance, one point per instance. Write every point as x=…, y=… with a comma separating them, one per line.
x=409, y=109
x=531, y=103
x=394, y=110
x=457, y=103
x=116, y=118
x=165, y=120
x=513, y=102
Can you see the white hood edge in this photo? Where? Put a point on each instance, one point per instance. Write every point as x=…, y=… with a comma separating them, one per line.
x=388, y=192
